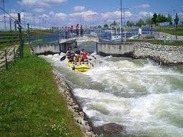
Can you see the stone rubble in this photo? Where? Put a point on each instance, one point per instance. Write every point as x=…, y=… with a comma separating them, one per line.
x=79, y=116
x=167, y=55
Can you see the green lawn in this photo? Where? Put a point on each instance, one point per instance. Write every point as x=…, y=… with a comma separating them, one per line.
x=30, y=102
x=171, y=30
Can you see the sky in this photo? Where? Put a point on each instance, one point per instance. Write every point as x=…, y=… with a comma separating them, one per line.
x=47, y=13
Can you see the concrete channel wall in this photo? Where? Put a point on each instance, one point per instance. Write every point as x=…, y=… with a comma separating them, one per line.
x=40, y=49
x=52, y=48
x=115, y=49
x=160, y=53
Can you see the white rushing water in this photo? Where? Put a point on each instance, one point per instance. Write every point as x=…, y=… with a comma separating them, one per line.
x=142, y=96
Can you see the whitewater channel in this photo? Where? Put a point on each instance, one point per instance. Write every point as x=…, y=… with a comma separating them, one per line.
x=144, y=97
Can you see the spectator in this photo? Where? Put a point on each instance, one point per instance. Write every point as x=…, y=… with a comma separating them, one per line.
x=72, y=30
x=66, y=32
x=81, y=31
x=77, y=30
x=139, y=32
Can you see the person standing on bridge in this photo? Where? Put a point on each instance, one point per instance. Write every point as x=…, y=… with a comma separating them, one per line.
x=81, y=31
x=71, y=30
x=77, y=30
x=66, y=32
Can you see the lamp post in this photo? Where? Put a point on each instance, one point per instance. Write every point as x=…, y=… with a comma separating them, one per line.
x=125, y=22
x=121, y=5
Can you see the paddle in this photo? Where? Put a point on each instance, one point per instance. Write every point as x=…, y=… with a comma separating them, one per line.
x=93, y=56
x=63, y=58
x=90, y=59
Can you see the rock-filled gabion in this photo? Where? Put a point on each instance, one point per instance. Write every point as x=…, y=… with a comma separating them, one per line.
x=163, y=54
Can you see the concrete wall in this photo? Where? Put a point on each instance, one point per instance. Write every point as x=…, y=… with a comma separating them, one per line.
x=51, y=49
x=40, y=49
x=113, y=49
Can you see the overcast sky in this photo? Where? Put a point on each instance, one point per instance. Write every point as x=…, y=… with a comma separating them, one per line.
x=86, y=12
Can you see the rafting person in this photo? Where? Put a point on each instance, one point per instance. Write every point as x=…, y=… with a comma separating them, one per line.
x=70, y=55
x=78, y=56
x=84, y=55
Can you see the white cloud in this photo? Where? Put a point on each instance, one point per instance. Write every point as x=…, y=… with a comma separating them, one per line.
x=85, y=15
x=39, y=10
x=51, y=13
x=55, y=1
x=145, y=14
x=35, y=3
x=79, y=8
x=115, y=14
x=40, y=3
x=144, y=6
x=61, y=16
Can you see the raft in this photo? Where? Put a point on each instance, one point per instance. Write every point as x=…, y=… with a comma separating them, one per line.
x=83, y=67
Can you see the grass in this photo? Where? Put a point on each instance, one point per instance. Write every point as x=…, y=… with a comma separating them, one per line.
x=171, y=30
x=168, y=43
x=4, y=45
x=10, y=38
x=30, y=102
x=159, y=42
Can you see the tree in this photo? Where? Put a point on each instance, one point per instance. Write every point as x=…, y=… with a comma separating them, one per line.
x=130, y=23
x=148, y=21
x=99, y=26
x=106, y=26
x=140, y=23
x=154, y=18
x=161, y=18
x=169, y=19
x=114, y=25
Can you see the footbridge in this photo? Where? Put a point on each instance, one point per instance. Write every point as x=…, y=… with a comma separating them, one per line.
x=62, y=45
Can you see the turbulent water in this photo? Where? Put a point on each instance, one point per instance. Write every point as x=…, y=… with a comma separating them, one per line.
x=139, y=94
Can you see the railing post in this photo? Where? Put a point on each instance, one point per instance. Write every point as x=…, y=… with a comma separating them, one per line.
x=28, y=32
x=96, y=47
x=14, y=54
x=20, y=36
x=6, y=60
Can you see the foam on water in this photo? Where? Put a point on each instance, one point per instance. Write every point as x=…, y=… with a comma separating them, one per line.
x=144, y=97
x=144, y=115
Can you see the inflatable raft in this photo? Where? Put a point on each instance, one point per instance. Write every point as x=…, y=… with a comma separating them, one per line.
x=83, y=67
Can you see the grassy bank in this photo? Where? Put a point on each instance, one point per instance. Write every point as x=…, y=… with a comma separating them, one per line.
x=30, y=102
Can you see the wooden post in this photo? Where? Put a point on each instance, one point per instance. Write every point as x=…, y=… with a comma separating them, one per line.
x=15, y=23
x=28, y=32
x=6, y=60
x=20, y=36
x=14, y=54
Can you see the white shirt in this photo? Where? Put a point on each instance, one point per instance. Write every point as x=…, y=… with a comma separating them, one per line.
x=140, y=31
